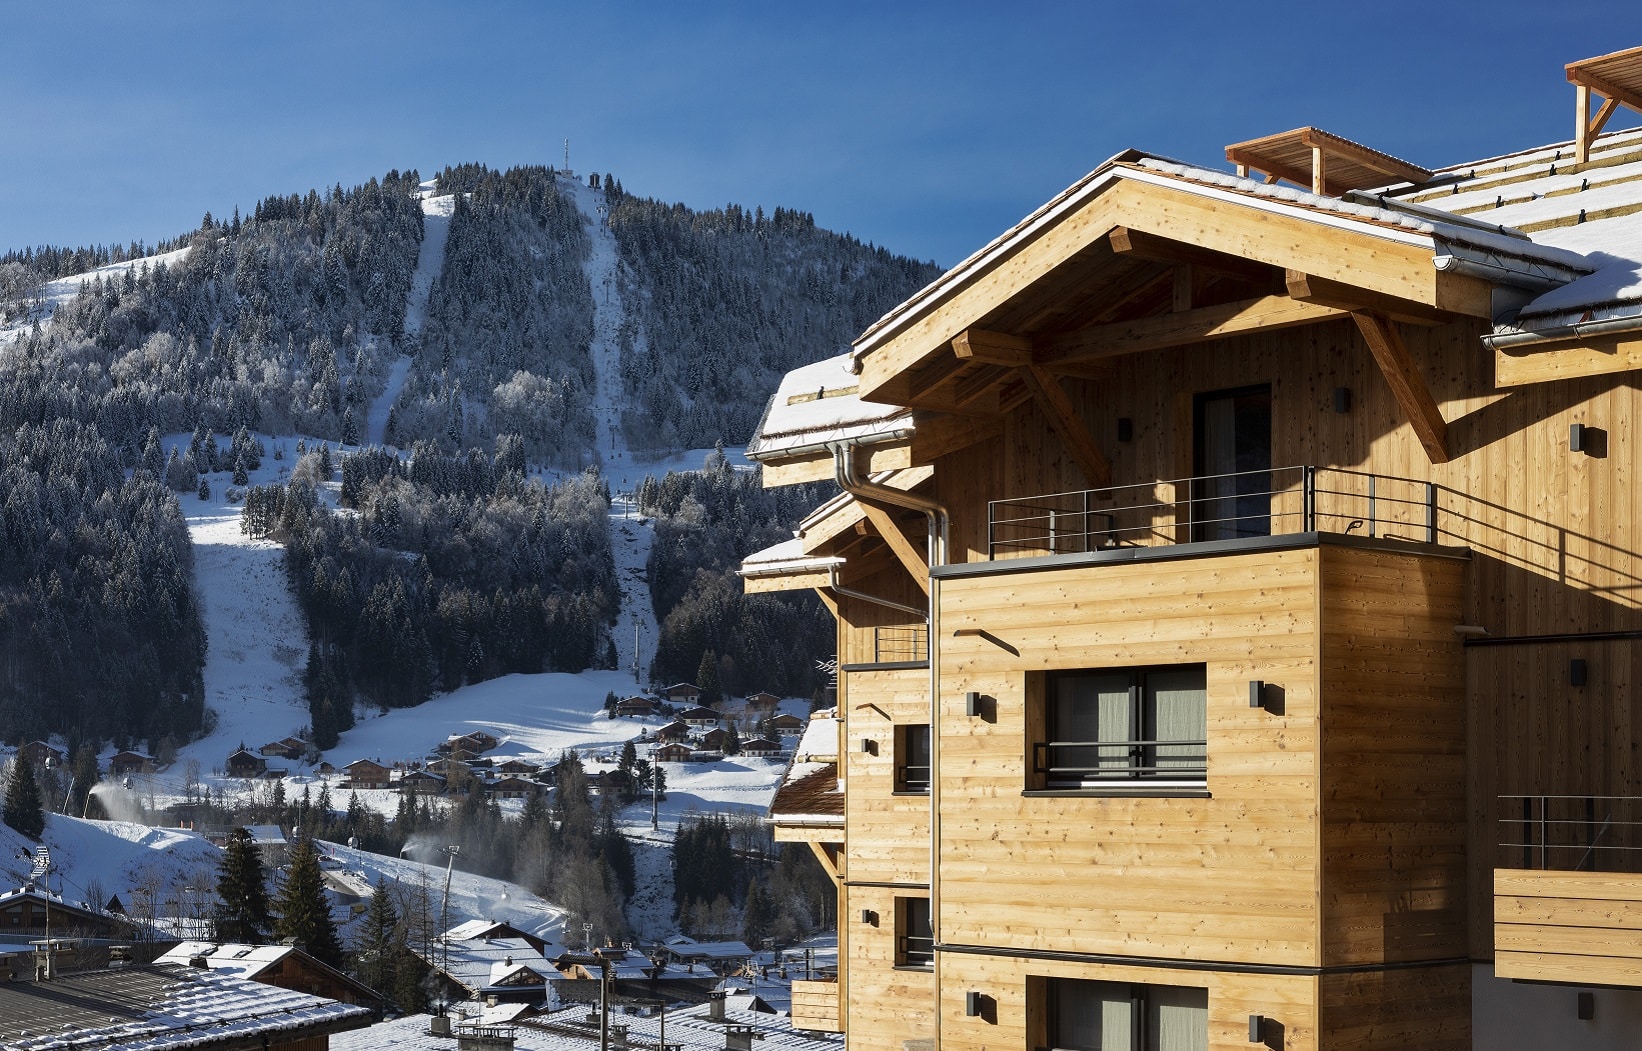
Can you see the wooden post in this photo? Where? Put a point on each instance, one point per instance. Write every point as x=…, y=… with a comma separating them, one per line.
x=1318, y=173
x=1582, y=122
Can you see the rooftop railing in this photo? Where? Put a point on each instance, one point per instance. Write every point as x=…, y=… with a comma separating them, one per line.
x=1571, y=833
x=1272, y=502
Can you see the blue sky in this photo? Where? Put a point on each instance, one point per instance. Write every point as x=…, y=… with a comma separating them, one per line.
x=924, y=127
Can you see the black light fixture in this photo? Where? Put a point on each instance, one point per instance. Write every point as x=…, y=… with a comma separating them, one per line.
x=1125, y=429
x=1257, y=693
x=869, y=917
x=1587, y=1006
x=869, y=746
x=1576, y=438
x=972, y=703
x=1576, y=672
x=1342, y=400
x=1257, y=1025
x=972, y=1004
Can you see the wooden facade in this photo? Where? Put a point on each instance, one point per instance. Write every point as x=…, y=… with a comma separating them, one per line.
x=1419, y=655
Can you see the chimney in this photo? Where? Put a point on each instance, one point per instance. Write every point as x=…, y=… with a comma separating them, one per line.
x=618, y=1038
x=740, y=1037
x=119, y=956
x=198, y=961
x=715, y=1007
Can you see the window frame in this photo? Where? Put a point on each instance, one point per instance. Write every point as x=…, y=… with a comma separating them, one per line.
x=1142, y=775
x=904, y=734
x=1043, y=1009
x=906, y=956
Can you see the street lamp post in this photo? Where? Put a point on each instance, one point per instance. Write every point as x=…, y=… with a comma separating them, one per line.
x=450, y=853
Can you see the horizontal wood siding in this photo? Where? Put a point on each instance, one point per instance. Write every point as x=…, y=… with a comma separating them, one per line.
x=1394, y=831
x=1232, y=877
x=1581, y=927
x=888, y=833
x=1428, y=1008
x=815, y=1006
x=1016, y=985
x=884, y=1004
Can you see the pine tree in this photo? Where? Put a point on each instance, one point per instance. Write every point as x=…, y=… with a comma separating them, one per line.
x=380, y=942
x=23, y=810
x=241, y=477
x=757, y=916
x=205, y=488
x=304, y=914
x=242, y=891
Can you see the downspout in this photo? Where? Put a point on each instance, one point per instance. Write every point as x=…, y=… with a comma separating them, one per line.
x=843, y=458
x=834, y=586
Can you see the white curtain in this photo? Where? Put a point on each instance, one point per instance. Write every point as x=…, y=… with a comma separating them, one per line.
x=1091, y=707
x=1177, y=1019
x=1093, y=1016
x=1179, y=701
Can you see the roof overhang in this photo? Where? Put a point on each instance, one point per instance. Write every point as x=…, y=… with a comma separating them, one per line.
x=1387, y=255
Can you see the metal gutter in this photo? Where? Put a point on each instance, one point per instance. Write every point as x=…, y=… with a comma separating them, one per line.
x=1557, y=333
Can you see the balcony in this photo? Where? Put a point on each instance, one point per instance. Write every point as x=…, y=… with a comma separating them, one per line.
x=1208, y=508
x=900, y=644
x=1573, y=911
x=815, y=1006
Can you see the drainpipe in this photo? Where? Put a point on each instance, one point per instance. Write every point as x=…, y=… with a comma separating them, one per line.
x=843, y=458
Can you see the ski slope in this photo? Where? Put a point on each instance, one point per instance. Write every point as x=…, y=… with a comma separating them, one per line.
x=55, y=293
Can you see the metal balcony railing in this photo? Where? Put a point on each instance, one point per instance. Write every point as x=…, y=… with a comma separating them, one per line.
x=1571, y=833
x=1072, y=762
x=900, y=643
x=1273, y=502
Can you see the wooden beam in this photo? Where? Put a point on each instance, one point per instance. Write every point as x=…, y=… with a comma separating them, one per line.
x=1406, y=383
x=1182, y=288
x=1308, y=288
x=1319, y=166
x=829, y=861
x=1063, y=417
x=911, y=559
x=993, y=348
x=1180, y=329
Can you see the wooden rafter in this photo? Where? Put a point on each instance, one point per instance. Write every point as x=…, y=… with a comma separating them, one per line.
x=1322, y=162
x=1063, y=417
x=1307, y=288
x=992, y=348
x=828, y=854
x=906, y=551
x=1179, y=329
x=1406, y=383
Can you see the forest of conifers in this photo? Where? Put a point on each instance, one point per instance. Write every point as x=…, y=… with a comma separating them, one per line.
x=455, y=568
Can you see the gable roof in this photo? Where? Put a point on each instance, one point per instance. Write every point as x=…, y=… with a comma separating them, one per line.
x=159, y=1008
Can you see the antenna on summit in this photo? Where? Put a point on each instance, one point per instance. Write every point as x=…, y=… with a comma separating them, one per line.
x=567, y=155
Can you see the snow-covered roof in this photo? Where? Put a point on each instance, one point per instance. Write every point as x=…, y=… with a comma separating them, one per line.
x=472, y=961
x=785, y=557
x=158, y=1008
x=816, y=404
x=1524, y=217
x=240, y=961
x=820, y=738
x=690, y=949
x=810, y=794
x=568, y=1030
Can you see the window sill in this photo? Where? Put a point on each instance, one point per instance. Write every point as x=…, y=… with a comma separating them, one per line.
x=921, y=968
x=1122, y=791
x=920, y=792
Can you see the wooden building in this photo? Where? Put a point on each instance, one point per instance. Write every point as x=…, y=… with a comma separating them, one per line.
x=682, y=693
x=367, y=773
x=1239, y=629
x=672, y=753
x=123, y=764
x=42, y=754
x=701, y=717
x=281, y=966
x=30, y=911
x=245, y=763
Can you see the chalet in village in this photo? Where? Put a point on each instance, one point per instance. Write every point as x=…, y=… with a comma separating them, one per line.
x=1239, y=609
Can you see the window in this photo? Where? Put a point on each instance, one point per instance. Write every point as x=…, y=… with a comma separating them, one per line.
x=912, y=758
x=1117, y=1016
x=1130, y=725
x=1231, y=495
x=914, y=937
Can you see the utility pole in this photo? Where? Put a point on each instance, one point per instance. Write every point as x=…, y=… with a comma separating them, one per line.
x=567, y=155
x=636, y=660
